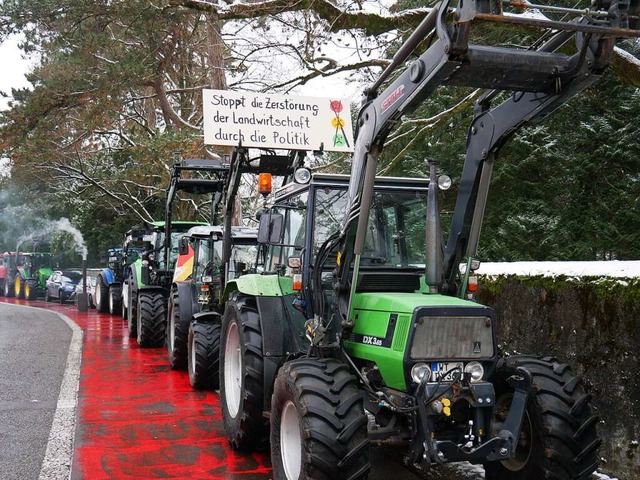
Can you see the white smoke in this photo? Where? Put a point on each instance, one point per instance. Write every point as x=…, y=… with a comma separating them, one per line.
x=65, y=225
x=48, y=227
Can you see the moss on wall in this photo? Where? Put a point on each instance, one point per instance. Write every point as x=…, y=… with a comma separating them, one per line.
x=593, y=324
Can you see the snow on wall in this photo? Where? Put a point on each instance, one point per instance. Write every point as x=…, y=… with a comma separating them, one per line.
x=614, y=269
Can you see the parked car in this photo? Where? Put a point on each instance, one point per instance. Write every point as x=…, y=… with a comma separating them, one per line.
x=61, y=285
x=91, y=288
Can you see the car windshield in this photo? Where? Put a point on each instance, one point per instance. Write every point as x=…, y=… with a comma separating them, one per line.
x=71, y=277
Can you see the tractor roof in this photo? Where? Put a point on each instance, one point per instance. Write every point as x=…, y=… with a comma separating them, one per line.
x=178, y=223
x=204, y=231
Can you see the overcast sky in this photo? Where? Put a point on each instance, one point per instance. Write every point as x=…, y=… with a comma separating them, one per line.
x=13, y=68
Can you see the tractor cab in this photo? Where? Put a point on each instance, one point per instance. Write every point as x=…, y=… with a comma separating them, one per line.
x=304, y=216
x=200, y=260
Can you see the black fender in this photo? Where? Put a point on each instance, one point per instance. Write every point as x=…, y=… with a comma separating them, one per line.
x=185, y=299
x=282, y=337
x=133, y=281
x=208, y=317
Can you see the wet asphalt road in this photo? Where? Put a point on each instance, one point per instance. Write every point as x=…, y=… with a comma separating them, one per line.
x=34, y=345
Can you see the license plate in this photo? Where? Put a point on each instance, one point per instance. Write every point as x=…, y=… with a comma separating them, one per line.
x=445, y=371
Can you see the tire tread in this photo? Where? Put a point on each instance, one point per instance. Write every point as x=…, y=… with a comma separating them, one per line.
x=151, y=319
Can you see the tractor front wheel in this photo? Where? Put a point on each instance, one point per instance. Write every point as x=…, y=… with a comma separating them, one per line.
x=102, y=292
x=151, y=318
x=318, y=423
x=177, y=334
x=558, y=438
x=132, y=314
x=115, y=299
x=29, y=291
x=241, y=375
x=204, y=355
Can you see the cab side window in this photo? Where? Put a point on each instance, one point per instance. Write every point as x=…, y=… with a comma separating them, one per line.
x=295, y=215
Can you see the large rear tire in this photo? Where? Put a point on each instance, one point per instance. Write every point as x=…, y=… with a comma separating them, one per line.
x=558, y=438
x=102, y=295
x=318, y=423
x=115, y=299
x=204, y=355
x=18, y=288
x=8, y=288
x=151, y=319
x=177, y=334
x=241, y=375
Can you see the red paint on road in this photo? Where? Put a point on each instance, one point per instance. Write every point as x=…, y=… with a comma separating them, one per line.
x=139, y=419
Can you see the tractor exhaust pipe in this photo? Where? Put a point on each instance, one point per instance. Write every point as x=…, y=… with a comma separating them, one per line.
x=433, y=271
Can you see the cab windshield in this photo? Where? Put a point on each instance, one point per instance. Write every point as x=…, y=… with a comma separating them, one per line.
x=395, y=233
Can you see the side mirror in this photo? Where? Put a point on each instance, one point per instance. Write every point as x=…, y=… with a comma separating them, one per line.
x=183, y=246
x=270, y=229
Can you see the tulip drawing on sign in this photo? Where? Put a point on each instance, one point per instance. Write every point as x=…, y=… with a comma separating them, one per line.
x=339, y=137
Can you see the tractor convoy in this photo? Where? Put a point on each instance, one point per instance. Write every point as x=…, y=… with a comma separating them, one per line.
x=346, y=320
x=25, y=274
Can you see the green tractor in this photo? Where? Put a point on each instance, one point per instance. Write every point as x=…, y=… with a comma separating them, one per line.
x=32, y=269
x=195, y=308
x=147, y=287
x=148, y=280
x=361, y=330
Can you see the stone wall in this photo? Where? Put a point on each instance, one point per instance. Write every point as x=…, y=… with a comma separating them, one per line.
x=593, y=324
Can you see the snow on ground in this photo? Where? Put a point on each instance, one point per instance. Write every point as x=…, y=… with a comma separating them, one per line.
x=602, y=476
x=614, y=269
x=468, y=471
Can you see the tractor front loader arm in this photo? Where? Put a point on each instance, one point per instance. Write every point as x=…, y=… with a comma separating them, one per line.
x=539, y=80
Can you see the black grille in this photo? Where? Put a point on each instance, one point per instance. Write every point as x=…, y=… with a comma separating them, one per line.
x=450, y=337
x=388, y=282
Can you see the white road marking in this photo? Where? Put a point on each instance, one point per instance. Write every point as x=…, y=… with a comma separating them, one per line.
x=59, y=454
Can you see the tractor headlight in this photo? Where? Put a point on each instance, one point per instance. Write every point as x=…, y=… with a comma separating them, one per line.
x=302, y=175
x=444, y=182
x=476, y=370
x=420, y=371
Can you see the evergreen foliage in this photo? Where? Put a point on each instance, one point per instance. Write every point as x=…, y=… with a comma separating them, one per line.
x=117, y=96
